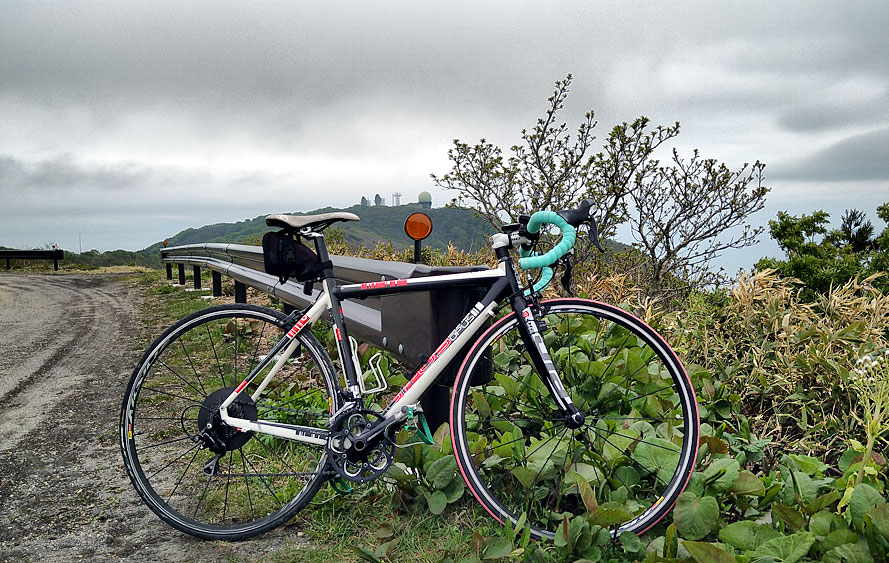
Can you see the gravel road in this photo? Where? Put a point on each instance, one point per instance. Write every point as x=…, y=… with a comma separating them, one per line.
x=68, y=344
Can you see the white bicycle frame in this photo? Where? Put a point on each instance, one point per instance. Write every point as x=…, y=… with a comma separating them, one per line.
x=409, y=395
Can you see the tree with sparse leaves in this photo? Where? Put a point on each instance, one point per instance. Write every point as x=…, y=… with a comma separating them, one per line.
x=678, y=213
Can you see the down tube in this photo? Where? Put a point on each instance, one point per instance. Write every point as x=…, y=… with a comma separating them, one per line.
x=446, y=351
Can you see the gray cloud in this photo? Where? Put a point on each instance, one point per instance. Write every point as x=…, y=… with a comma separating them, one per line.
x=859, y=157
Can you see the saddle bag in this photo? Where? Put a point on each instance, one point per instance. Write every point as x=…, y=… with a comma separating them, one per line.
x=286, y=257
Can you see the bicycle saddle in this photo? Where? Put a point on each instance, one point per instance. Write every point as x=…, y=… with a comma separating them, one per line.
x=314, y=222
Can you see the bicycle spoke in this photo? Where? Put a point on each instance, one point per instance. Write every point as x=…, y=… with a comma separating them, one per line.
x=263, y=481
x=143, y=448
x=227, y=483
x=203, y=494
x=177, y=458
x=186, y=399
x=202, y=393
x=247, y=483
x=196, y=374
x=181, y=477
x=215, y=355
x=256, y=349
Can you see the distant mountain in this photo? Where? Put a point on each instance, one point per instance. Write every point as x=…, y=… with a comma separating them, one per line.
x=459, y=227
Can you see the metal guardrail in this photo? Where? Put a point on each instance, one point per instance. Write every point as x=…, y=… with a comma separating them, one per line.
x=377, y=320
x=55, y=255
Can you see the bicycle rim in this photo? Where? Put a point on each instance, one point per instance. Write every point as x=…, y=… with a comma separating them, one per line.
x=256, y=481
x=623, y=468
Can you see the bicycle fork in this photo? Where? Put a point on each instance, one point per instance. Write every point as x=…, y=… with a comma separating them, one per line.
x=543, y=363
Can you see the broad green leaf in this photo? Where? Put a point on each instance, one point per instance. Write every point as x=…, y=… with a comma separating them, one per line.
x=524, y=474
x=748, y=484
x=609, y=514
x=824, y=501
x=659, y=456
x=630, y=542
x=848, y=553
x=495, y=548
x=837, y=538
x=747, y=535
x=786, y=549
x=864, y=499
x=714, y=445
x=722, y=474
x=876, y=527
x=509, y=385
x=481, y=404
x=808, y=464
x=587, y=495
x=790, y=516
x=454, y=490
x=704, y=552
x=821, y=523
x=803, y=486
x=366, y=554
x=588, y=472
x=442, y=472
x=695, y=517
x=442, y=434
x=562, y=536
x=618, y=442
x=671, y=540
x=879, y=516
x=437, y=502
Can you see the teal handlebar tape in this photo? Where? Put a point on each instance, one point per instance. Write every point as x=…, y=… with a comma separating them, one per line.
x=569, y=235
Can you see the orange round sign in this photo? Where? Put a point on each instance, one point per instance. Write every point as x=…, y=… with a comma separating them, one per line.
x=418, y=226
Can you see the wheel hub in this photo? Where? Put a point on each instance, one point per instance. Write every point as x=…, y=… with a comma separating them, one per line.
x=218, y=436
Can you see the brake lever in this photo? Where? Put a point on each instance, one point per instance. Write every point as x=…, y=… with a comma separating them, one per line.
x=594, y=234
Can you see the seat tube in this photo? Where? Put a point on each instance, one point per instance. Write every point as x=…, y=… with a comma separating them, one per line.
x=343, y=346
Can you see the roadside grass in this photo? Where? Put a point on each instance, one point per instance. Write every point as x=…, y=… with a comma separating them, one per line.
x=375, y=519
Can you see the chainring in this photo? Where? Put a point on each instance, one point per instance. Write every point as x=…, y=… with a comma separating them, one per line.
x=359, y=463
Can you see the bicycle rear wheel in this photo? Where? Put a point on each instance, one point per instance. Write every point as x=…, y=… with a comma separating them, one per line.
x=251, y=482
x=623, y=468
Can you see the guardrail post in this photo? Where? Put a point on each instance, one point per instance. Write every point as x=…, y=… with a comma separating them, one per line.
x=217, y=284
x=169, y=271
x=196, y=270
x=240, y=292
x=181, y=274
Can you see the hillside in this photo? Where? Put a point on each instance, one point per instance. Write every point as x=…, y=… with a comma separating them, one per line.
x=378, y=223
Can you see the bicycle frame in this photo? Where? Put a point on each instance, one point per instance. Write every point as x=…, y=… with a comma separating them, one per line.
x=501, y=282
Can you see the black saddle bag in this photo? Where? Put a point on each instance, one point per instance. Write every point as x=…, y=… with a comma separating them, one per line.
x=286, y=257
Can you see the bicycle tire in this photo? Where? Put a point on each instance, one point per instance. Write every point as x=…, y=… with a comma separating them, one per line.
x=260, y=481
x=636, y=449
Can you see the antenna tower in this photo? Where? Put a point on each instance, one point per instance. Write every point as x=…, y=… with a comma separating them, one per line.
x=396, y=198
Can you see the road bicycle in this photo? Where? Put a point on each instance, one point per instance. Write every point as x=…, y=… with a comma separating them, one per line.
x=235, y=416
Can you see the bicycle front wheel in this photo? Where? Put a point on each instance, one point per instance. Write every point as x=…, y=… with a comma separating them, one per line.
x=623, y=468
x=242, y=483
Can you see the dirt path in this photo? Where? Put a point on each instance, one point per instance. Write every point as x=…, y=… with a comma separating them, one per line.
x=67, y=346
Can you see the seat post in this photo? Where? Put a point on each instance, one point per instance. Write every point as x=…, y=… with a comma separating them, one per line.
x=321, y=251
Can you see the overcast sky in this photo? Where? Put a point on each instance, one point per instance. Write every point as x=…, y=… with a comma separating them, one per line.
x=123, y=123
